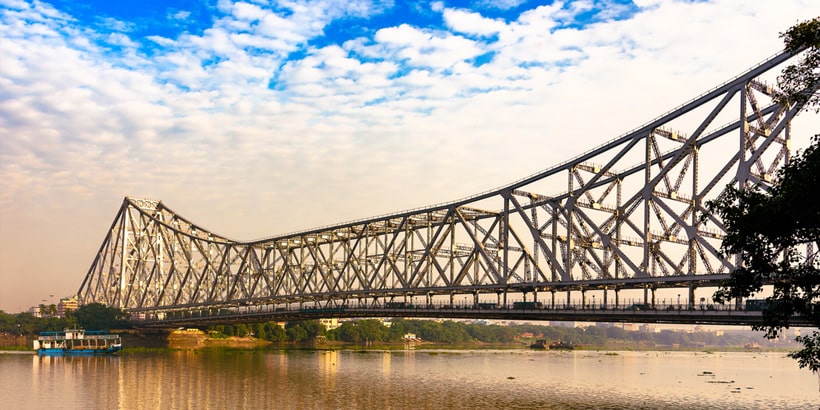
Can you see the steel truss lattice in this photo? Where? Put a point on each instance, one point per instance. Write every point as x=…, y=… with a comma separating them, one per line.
x=627, y=215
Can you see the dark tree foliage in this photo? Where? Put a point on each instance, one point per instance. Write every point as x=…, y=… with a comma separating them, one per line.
x=770, y=230
x=371, y=330
x=301, y=331
x=799, y=82
x=96, y=316
x=773, y=230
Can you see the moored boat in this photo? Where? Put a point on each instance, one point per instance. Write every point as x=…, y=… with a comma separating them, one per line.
x=77, y=342
x=562, y=345
x=540, y=344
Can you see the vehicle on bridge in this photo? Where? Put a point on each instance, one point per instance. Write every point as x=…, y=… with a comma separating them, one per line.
x=758, y=305
x=487, y=306
x=640, y=307
x=528, y=305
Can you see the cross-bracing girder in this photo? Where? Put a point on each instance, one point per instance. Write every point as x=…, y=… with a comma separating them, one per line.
x=625, y=214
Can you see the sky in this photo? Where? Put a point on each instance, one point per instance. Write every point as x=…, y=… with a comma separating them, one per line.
x=255, y=118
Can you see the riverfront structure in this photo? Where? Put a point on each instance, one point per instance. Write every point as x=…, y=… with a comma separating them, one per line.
x=628, y=214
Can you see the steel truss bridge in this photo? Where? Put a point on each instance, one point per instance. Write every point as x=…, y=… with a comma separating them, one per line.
x=623, y=216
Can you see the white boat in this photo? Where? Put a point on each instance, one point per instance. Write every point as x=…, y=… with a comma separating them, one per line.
x=77, y=342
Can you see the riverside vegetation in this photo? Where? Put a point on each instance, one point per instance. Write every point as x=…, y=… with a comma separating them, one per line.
x=17, y=331
x=457, y=333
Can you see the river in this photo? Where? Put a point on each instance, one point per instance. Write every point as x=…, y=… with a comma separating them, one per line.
x=408, y=379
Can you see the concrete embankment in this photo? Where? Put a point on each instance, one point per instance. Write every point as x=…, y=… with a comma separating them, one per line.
x=184, y=339
x=145, y=338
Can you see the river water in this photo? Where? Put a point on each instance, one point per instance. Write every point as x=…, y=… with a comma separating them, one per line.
x=423, y=379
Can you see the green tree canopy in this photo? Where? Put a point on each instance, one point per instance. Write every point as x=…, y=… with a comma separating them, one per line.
x=96, y=316
x=799, y=82
x=776, y=231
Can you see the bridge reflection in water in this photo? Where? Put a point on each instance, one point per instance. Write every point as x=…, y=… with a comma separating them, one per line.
x=628, y=214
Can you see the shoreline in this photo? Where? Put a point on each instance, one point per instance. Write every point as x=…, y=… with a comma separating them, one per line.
x=194, y=339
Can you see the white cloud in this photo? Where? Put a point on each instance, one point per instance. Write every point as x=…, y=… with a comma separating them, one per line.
x=471, y=23
x=180, y=15
x=424, y=48
x=248, y=12
x=117, y=25
x=499, y=4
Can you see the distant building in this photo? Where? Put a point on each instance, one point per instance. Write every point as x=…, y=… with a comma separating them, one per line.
x=650, y=328
x=562, y=323
x=35, y=311
x=329, y=324
x=137, y=316
x=630, y=327
x=66, y=305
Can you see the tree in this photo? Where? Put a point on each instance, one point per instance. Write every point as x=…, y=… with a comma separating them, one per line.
x=97, y=316
x=776, y=232
x=799, y=82
x=304, y=330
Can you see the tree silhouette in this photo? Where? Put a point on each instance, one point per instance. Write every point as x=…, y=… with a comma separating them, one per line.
x=777, y=232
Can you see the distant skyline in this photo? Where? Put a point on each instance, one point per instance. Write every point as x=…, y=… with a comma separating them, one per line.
x=258, y=118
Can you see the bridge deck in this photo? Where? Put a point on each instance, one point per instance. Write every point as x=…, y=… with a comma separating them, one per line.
x=700, y=315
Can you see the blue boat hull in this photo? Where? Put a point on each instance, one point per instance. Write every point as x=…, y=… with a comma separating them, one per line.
x=78, y=352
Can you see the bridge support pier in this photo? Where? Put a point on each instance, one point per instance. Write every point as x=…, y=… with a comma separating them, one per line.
x=552, y=301
x=653, y=296
x=583, y=298
x=569, y=295
x=691, y=296
x=617, y=297
x=604, y=305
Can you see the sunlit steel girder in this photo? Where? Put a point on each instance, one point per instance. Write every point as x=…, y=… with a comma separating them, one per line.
x=626, y=214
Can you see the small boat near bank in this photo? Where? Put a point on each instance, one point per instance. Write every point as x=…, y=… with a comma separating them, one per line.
x=77, y=342
x=540, y=344
x=559, y=345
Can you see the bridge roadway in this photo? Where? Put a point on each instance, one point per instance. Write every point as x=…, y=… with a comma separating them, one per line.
x=637, y=313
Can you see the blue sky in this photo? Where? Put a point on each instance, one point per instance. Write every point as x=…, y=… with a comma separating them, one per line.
x=255, y=117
